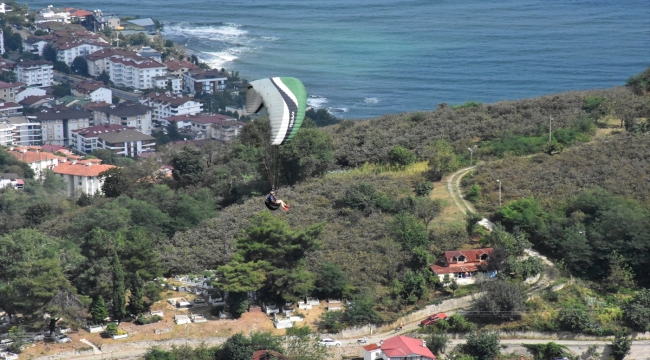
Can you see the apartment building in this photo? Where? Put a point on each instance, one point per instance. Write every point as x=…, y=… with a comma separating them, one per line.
x=206, y=81
x=98, y=61
x=35, y=73
x=138, y=73
x=68, y=51
x=127, y=142
x=165, y=105
x=126, y=114
x=58, y=123
x=85, y=140
x=82, y=176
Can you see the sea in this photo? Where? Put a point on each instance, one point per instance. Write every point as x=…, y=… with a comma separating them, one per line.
x=365, y=58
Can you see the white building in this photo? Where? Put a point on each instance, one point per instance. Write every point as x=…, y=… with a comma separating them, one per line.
x=68, y=51
x=32, y=91
x=38, y=160
x=2, y=39
x=102, y=95
x=6, y=134
x=10, y=109
x=36, y=44
x=82, y=176
x=85, y=140
x=136, y=73
x=207, y=81
x=11, y=180
x=165, y=105
x=126, y=114
x=51, y=13
x=58, y=123
x=163, y=82
x=99, y=60
x=26, y=131
x=35, y=73
x=128, y=142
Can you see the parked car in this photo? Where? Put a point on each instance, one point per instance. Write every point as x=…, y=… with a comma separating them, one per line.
x=329, y=342
x=63, y=338
x=431, y=319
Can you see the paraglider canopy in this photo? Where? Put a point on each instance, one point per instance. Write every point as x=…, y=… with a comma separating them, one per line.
x=285, y=100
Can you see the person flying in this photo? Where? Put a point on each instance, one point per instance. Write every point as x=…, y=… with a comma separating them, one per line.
x=274, y=203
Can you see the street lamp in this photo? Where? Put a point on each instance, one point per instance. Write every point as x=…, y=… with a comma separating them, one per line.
x=499, y=192
x=471, y=155
x=550, y=118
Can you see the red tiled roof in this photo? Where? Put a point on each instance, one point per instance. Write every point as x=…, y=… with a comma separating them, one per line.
x=371, y=347
x=52, y=148
x=81, y=13
x=81, y=168
x=267, y=355
x=173, y=100
x=402, y=346
x=472, y=261
x=174, y=65
x=104, y=53
x=31, y=100
x=4, y=85
x=140, y=64
x=9, y=105
x=32, y=156
x=470, y=255
x=73, y=44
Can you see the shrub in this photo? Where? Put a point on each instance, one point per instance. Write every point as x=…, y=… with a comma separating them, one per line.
x=112, y=329
x=143, y=320
x=400, y=156
x=549, y=350
x=501, y=299
x=575, y=320
x=437, y=343
x=423, y=188
x=482, y=345
x=621, y=346
x=459, y=323
x=637, y=312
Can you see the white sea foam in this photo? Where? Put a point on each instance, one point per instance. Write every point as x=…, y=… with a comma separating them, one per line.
x=225, y=32
x=270, y=38
x=334, y=110
x=372, y=100
x=316, y=101
x=218, y=59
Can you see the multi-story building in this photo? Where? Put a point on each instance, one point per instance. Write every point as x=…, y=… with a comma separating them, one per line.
x=226, y=131
x=178, y=68
x=51, y=13
x=206, y=81
x=58, y=123
x=39, y=161
x=23, y=94
x=169, y=82
x=36, y=44
x=35, y=73
x=26, y=131
x=82, y=176
x=11, y=180
x=98, y=61
x=10, y=108
x=85, y=140
x=137, y=73
x=128, y=142
x=68, y=51
x=8, y=91
x=165, y=105
x=6, y=134
x=127, y=114
x=2, y=40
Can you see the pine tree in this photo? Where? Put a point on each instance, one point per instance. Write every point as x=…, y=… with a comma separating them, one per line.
x=119, y=291
x=136, y=301
x=99, y=312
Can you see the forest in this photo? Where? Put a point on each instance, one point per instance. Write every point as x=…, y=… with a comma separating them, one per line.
x=360, y=220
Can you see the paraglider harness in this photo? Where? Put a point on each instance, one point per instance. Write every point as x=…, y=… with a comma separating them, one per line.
x=270, y=203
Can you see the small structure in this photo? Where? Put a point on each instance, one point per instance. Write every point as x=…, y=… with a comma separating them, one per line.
x=156, y=313
x=179, y=303
x=95, y=328
x=198, y=318
x=182, y=319
x=199, y=303
x=312, y=301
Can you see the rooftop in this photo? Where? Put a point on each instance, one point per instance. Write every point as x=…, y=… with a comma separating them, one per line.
x=143, y=22
x=32, y=156
x=125, y=109
x=81, y=168
x=5, y=85
x=9, y=105
x=140, y=63
x=99, y=129
x=127, y=135
x=108, y=52
x=402, y=346
x=200, y=74
x=60, y=114
x=31, y=100
x=174, y=65
x=202, y=119
x=30, y=63
x=171, y=99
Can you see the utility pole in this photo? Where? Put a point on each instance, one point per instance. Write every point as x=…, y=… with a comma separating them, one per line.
x=550, y=118
x=499, y=192
x=471, y=155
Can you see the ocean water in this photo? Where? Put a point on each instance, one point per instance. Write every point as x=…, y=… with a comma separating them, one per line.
x=364, y=58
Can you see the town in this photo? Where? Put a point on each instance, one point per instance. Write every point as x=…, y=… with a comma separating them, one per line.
x=135, y=221
x=67, y=85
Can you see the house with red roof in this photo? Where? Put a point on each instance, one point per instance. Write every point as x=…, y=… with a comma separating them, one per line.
x=398, y=348
x=167, y=104
x=178, y=68
x=137, y=72
x=464, y=265
x=82, y=176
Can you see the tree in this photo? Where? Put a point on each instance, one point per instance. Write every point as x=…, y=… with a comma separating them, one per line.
x=114, y=183
x=80, y=66
x=169, y=43
x=331, y=280
x=360, y=311
x=8, y=76
x=237, y=347
x=61, y=90
x=119, y=289
x=299, y=345
x=621, y=346
x=49, y=53
x=437, y=343
x=549, y=350
x=482, y=345
x=408, y=231
x=423, y=188
x=414, y=286
x=136, y=300
x=270, y=258
x=400, y=156
x=12, y=41
x=104, y=77
x=321, y=117
x=188, y=166
x=308, y=154
x=99, y=311
x=237, y=302
x=61, y=66
x=637, y=312
x=172, y=131
x=52, y=183
x=441, y=159
x=620, y=274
